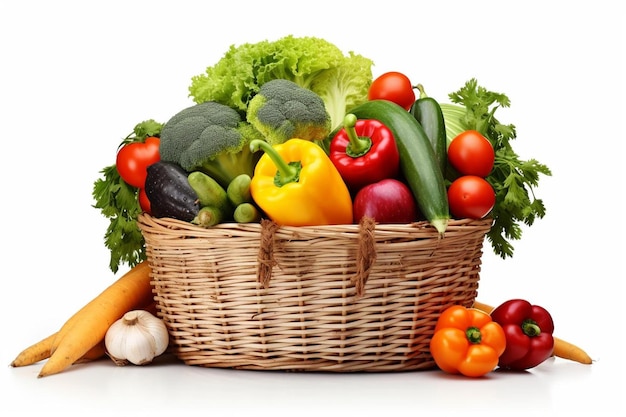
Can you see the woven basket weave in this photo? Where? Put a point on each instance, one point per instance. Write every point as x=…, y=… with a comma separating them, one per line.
x=333, y=298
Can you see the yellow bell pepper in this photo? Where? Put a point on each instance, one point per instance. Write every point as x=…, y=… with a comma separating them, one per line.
x=296, y=184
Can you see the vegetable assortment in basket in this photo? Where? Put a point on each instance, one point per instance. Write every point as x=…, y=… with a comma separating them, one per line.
x=293, y=92
x=301, y=215
x=304, y=215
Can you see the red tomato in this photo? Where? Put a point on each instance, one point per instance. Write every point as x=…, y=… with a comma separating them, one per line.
x=471, y=197
x=471, y=153
x=134, y=158
x=144, y=201
x=395, y=87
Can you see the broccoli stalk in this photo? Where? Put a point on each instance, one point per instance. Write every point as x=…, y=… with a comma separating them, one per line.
x=283, y=110
x=212, y=138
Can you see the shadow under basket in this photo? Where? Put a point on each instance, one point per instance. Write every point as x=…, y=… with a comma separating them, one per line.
x=361, y=297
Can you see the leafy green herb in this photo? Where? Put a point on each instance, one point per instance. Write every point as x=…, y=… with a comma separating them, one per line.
x=118, y=202
x=513, y=179
x=142, y=131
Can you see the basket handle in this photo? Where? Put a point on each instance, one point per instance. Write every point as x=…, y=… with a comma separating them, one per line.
x=266, y=252
x=366, y=254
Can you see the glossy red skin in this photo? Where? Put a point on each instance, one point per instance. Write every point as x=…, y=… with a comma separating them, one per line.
x=470, y=153
x=471, y=197
x=144, y=201
x=386, y=201
x=380, y=162
x=133, y=159
x=393, y=86
x=524, y=351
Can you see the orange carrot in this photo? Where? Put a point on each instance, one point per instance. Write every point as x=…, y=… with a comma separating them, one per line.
x=567, y=350
x=562, y=348
x=86, y=328
x=95, y=353
x=34, y=353
x=42, y=350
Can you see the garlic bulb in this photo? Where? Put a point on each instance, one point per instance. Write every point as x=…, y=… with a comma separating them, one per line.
x=138, y=337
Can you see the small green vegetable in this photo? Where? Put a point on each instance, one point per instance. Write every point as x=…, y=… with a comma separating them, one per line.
x=212, y=138
x=513, y=179
x=283, y=110
x=208, y=216
x=428, y=113
x=238, y=190
x=209, y=191
x=246, y=213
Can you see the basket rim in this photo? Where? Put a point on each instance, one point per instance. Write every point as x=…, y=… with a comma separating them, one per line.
x=421, y=225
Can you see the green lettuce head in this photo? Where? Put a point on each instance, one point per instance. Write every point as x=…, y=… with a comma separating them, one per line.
x=342, y=81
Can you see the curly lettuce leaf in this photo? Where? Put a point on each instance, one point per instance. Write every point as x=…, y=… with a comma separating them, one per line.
x=344, y=86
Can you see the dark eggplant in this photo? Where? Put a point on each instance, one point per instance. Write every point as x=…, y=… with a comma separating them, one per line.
x=169, y=192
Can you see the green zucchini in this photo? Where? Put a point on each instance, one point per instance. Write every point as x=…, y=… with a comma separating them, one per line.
x=428, y=113
x=418, y=162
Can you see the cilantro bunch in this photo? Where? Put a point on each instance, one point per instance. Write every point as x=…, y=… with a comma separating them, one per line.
x=513, y=179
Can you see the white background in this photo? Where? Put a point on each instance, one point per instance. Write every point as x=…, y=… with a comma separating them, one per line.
x=75, y=77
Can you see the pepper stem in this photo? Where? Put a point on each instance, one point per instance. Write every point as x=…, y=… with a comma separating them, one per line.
x=287, y=172
x=473, y=335
x=359, y=145
x=531, y=328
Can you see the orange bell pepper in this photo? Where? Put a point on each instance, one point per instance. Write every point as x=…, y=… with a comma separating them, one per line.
x=296, y=184
x=467, y=341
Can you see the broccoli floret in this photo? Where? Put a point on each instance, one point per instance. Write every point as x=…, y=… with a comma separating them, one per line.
x=212, y=138
x=282, y=110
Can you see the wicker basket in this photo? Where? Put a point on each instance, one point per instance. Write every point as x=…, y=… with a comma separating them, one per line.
x=333, y=298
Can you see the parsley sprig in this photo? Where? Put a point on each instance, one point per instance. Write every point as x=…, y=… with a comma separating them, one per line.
x=513, y=179
x=118, y=202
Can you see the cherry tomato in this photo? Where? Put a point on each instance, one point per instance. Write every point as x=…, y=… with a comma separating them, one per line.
x=134, y=158
x=471, y=153
x=471, y=197
x=144, y=201
x=393, y=86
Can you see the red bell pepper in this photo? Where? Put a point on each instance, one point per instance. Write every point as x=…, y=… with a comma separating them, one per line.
x=364, y=152
x=528, y=330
